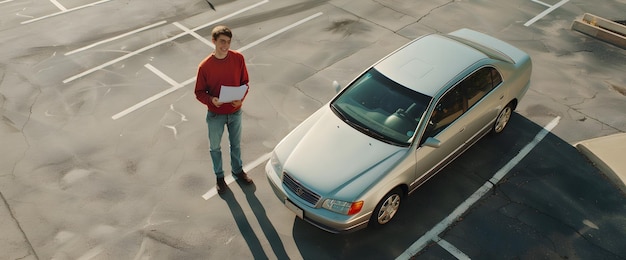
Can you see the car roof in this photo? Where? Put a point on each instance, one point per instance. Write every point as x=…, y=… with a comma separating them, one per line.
x=427, y=63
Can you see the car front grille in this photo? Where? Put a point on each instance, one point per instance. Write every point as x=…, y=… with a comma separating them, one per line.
x=300, y=191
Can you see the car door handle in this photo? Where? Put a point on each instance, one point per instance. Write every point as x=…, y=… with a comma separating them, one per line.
x=501, y=97
x=462, y=129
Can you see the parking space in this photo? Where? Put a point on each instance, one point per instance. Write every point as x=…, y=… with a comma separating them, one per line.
x=107, y=155
x=553, y=204
x=433, y=236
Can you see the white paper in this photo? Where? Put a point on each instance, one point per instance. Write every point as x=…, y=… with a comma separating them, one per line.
x=232, y=93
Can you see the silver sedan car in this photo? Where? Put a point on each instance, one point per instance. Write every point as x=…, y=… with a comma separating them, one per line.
x=351, y=163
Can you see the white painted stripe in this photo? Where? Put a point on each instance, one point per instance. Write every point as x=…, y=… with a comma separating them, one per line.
x=143, y=103
x=116, y=37
x=5, y=1
x=432, y=234
x=66, y=11
x=158, y=43
x=194, y=34
x=124, y=57
x=506, y=168
x=58, y=5
x=452, y=249
x=170, y=90
x=541, y=3
x=229, y=179
x=162, y=75
x=279, y=32
x=547, y=11
x=230, y=15
x=152, y=98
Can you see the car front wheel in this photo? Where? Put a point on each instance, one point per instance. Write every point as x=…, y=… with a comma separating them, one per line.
x=387, y=208
x=503, y=119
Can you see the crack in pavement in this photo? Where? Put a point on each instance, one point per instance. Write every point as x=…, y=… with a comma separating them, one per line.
x=570, y=107
x=30, y=246
x=31, y=249
x=433, y=9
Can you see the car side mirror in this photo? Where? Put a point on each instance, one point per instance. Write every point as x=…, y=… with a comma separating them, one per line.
x=432, y=142
x=336, y=86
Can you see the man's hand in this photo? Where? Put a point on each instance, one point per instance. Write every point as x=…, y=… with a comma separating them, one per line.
x=216, y=101
x=236, y=103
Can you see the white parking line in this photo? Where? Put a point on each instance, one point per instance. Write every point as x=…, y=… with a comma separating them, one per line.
x=193, y=79
x=541, y=3
x=116, y=37
x=162, y=75
x=175, y=86
x=451, y=249
x=128, y=55
x=64, y=11
x=195, y=35
x=544, y=13
x=229, y=179
x=58, y=5
x=5, y=1
x=279, y=31
x=433, y=234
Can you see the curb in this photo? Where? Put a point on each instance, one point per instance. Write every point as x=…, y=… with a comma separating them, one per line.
x=607, y=153
x=603, y=29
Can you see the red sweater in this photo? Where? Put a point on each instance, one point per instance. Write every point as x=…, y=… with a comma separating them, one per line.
x=213, y=73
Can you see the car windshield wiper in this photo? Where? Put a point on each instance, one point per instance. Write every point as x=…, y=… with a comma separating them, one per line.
x=360, y=127
x=367, y=130
x=338, y=112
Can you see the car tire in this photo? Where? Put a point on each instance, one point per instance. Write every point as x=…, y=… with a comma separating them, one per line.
x=503, y=119
x=386, y=208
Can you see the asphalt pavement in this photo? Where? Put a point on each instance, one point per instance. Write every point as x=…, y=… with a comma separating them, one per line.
x=104, y=152
x=606, y=153
x=554, y=204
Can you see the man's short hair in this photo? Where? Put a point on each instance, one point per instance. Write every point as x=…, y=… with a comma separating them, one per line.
x=221, y=30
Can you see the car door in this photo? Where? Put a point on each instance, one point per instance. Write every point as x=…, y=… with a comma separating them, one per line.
x=446, y=128
x=484, y=100
x=458, y=119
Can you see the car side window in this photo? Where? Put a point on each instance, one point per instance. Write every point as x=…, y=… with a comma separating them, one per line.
x=460, y=98
x=449, y=108
x=479, y=84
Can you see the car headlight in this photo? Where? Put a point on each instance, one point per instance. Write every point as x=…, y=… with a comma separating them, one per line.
x=343, y=207
x=276, y=165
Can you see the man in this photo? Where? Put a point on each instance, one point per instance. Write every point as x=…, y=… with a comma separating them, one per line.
x=223, y=67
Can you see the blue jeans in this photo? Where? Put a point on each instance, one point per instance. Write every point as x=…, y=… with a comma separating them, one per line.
x=216, y=123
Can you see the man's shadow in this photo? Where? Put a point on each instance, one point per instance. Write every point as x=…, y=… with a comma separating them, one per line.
x=244, y=226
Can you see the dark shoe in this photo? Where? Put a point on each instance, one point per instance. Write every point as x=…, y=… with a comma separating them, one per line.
x=221, y=186
x=242, y=176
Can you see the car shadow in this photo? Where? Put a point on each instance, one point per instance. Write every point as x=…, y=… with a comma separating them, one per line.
x=561, y=170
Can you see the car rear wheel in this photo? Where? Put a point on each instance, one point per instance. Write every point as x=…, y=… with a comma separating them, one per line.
x=386, y=208
x=503, y=119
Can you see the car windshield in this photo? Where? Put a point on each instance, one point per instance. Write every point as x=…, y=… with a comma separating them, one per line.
x=381, y=108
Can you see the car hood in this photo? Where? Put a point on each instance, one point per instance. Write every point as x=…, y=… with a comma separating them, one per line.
x=332, y=158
